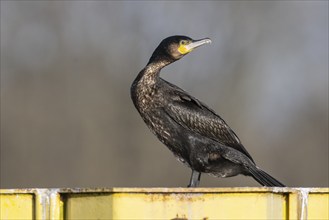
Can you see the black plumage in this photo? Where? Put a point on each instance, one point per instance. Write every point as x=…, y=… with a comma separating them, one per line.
x=196, y=135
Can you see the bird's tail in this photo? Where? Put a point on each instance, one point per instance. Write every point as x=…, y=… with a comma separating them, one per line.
x=264, y=178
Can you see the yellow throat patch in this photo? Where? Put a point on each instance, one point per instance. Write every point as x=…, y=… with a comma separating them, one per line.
x=183, y=50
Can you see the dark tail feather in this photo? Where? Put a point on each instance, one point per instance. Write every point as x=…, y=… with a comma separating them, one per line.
x=264, y=178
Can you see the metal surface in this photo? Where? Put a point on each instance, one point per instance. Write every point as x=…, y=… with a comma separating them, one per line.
x=165, y=203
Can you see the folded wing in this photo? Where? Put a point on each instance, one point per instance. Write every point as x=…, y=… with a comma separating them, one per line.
x=192, y=114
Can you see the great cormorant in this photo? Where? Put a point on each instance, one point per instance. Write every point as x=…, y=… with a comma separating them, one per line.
x=196, y=135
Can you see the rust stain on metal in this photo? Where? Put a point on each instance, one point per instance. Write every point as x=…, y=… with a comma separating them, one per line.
x=185, y=197
x=184, y=218
x=179, y=218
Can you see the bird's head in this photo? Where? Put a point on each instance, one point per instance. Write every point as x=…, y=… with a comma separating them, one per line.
x=175, y=47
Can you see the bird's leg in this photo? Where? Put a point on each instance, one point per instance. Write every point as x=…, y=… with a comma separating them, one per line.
x=195, y=179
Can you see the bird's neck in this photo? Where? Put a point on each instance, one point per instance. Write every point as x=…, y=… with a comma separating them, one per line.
x=153, y=68
x=156, y=63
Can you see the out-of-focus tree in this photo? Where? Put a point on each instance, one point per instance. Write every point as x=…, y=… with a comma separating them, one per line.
x=66, y=68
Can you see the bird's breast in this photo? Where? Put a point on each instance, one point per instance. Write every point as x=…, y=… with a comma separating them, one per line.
x=147, y=95
x=149, y=100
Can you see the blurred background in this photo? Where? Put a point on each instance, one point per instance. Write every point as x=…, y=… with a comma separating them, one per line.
x=66, y=69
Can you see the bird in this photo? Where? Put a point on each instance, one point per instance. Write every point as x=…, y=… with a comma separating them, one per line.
x=196, y=135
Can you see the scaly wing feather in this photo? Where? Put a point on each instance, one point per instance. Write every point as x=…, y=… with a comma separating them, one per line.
x=197, y=117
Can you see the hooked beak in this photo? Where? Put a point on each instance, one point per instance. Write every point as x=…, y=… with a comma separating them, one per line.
x=197, y=43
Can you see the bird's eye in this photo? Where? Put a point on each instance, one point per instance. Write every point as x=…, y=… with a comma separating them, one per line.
x=183, y=42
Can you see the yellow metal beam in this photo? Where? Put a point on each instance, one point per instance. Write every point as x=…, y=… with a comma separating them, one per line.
x=16, y=206
x=165, y=203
